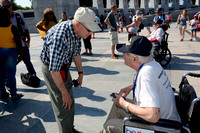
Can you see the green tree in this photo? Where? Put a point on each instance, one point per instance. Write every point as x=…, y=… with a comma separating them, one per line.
x=16, y=7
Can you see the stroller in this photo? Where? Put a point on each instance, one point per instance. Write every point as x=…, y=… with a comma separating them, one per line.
x=188, y=106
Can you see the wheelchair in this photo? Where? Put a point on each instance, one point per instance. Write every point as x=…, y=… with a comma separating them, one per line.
x=161, y=52
x=188, y=106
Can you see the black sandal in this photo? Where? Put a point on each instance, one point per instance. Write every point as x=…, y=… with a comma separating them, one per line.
x=17, y=97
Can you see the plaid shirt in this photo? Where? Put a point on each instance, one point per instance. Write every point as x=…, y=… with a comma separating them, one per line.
x=60, y=45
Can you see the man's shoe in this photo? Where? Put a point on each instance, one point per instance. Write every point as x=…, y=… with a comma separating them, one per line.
x=15, y=98
x=114, y=57
x=76, y=131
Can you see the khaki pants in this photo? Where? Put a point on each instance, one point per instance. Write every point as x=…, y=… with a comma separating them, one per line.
x=64, y=117
x=115, y=118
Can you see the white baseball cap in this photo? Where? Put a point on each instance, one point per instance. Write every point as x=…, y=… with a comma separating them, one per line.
x=87, y=16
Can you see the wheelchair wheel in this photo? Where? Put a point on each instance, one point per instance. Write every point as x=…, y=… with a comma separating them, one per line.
x=164, y=57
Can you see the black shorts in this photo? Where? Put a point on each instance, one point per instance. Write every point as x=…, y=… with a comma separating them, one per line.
x=194, y=30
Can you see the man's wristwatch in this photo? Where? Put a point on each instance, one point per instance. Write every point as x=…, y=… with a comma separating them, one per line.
x=80, y=72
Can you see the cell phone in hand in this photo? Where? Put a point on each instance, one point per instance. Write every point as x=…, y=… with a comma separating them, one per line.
x=75, y=82
x=113, y=95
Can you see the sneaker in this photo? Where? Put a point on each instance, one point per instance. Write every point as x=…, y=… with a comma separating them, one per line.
x=76, y=131
x=114, y=57
x=190, y=39
x=181, y=40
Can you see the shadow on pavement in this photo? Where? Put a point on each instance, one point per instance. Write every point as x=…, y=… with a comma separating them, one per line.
x=17, y=118
x=178, y=63
x=88, y=93
x=88, y=70
x=89, y=111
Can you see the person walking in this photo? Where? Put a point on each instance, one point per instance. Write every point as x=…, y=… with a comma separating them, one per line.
x=133, y=28
x=62, y=44
x=163, y=17
x=18, y=21
x=193, y=25
x=10, y=52
x=112, y=30
x=88, y=46
x=181, y=20
x=48, y=21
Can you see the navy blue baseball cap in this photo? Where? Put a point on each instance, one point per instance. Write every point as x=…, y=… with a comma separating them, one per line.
x=138, y=45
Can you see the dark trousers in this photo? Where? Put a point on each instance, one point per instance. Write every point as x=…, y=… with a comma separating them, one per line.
x=87, y=43
x=27, y=60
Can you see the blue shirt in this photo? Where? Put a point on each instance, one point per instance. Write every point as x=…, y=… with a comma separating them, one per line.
x=60, y=45
x=163, y=17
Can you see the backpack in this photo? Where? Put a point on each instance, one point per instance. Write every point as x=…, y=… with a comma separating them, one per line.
x=21, y=26
x=30, y=80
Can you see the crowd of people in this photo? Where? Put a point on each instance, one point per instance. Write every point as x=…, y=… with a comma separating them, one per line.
x=153, y=97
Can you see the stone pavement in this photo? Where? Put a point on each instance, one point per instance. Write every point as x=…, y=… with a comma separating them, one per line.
x=102, y=76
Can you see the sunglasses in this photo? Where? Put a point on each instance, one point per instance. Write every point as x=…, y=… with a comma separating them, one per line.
x=7, y=6
x=85, y=28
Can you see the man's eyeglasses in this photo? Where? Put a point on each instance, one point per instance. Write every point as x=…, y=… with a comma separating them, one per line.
x=86, y=28
x=7, y=6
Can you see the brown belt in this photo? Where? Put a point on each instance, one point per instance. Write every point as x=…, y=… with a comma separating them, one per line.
x=47, y=64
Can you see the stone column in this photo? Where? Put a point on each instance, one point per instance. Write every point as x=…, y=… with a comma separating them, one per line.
x=145, y=5
x=166, y=9
x=188, y=3
x=134, y=4
x=110, y=3
x=124, y=5
x=175, y=4
x=154, y=4
x=198, y=2
x=99, y=5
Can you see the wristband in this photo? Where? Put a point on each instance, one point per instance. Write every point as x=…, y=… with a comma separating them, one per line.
x=126, y=107
x=80, y=72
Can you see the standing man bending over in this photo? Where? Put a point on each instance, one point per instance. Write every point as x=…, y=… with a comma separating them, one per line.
x=153, y=97
x=112, y=30
x=62, y=43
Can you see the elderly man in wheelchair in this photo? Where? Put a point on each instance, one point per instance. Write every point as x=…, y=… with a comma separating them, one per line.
x=159, y=38
x=153, y=97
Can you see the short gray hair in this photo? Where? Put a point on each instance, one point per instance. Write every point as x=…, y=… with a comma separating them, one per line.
x=143, y=59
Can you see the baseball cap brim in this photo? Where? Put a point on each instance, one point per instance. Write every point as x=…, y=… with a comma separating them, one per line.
x=93, y=26
x=122, y=47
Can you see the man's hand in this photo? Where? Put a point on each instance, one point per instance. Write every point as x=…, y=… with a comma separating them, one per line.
x=119, y=101
x=27, y=42
x=80, y=79
x=67, y=101
x=125, y=91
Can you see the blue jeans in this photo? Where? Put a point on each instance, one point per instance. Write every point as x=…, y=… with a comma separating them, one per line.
x=27, y=60
x=8, y=61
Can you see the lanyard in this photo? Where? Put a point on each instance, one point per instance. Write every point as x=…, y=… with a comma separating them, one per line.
x=134, y=86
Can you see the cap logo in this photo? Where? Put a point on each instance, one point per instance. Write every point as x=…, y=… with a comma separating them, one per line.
x=128, y=42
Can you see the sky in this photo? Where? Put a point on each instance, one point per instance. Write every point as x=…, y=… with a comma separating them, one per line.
x=23, y=3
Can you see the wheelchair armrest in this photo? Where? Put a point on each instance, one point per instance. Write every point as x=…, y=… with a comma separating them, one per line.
x=161, y=125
